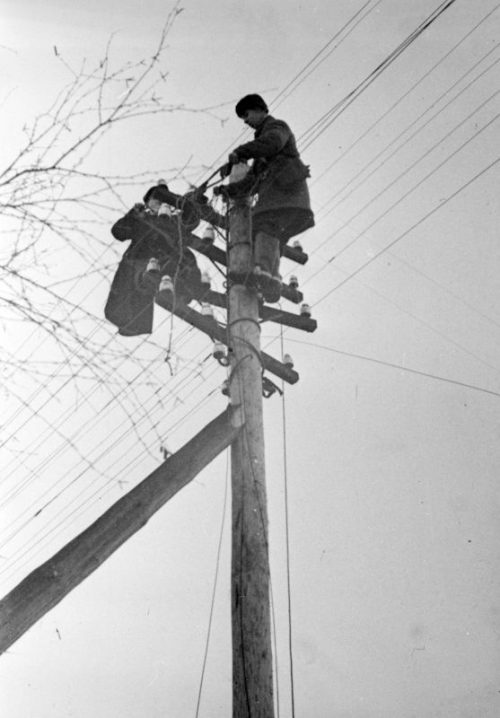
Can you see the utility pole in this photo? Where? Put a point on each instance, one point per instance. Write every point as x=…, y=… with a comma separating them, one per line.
x=250, y=575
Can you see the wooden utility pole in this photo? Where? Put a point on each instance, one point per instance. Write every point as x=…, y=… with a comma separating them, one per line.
x=251, y=619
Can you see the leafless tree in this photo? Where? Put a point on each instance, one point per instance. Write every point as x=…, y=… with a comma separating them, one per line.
x=57, y=205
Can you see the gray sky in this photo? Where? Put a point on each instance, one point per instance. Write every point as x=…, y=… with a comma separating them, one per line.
x=392, y=448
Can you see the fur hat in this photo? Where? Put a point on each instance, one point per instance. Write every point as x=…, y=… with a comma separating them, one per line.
x=159, y=191
x=250, y=102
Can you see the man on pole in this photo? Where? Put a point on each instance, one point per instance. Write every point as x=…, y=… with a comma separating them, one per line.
x=278, y=177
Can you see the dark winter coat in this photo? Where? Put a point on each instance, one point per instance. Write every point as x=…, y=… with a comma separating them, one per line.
x=283, y=206
x=130, y=305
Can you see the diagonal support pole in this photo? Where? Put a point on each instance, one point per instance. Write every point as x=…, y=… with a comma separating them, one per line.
x=47, y=585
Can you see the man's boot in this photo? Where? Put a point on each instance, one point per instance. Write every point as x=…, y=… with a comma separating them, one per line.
x=267, y=261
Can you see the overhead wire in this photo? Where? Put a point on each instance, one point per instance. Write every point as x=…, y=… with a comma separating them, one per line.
x=399, y=367
x=411, y=136
x=297, y=80
x=324, y=122
x=36, y=507
x=304, y=73
x=404, y=234
x=416, y=84
x=439, y=166
x=93, y=463
x=38, y=538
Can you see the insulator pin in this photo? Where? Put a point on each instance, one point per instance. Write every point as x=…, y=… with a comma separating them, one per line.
x=219, y=353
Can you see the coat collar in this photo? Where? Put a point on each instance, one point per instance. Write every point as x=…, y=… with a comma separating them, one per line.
x=262, y=125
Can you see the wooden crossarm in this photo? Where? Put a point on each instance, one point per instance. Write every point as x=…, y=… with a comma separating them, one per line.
x=268, y=314
x=209, y=326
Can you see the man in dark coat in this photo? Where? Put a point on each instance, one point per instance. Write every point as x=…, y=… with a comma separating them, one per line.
x=283, y=207
x=156, y=233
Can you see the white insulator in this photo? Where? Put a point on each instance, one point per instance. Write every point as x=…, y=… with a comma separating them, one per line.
x=164, y=209
x=205, y=278
x=166, y=284
x=288, y=361
x=294, y=282
x=209, y=234
x=153, y=265
x=297, y=245
x=305, y=310
x=162, y=182
x=207, y=311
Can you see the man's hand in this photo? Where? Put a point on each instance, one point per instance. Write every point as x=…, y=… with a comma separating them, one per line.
x=225, y=170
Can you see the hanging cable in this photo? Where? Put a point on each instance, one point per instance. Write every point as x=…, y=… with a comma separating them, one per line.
x=214, y=586
x=287, y=535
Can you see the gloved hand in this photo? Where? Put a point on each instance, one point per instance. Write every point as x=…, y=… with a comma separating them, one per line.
x=196, y=195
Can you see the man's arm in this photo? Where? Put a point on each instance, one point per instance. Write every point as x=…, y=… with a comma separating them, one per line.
x=273, y=138
x=126, y=227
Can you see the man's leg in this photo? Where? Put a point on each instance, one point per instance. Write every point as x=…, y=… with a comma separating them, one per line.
x=267, y=262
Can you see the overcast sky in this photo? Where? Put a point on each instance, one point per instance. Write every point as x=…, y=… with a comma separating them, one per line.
x=392, y=434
